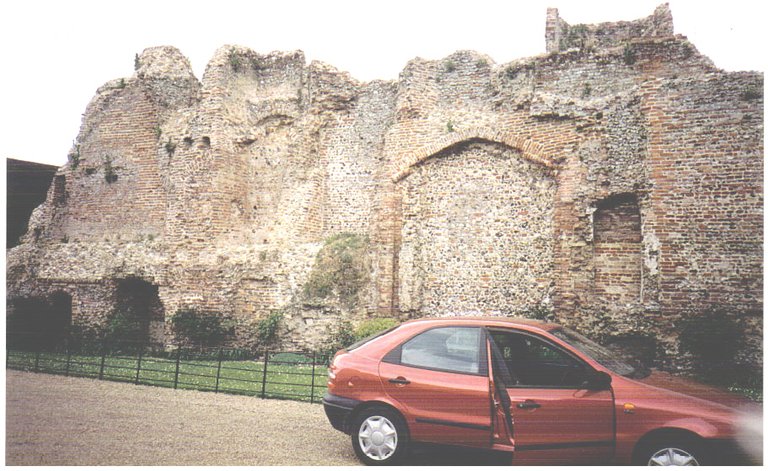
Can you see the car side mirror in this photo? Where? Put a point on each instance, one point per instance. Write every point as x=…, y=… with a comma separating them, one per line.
x=598, y=381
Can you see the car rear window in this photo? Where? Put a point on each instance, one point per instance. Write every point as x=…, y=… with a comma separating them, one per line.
x=370, y=338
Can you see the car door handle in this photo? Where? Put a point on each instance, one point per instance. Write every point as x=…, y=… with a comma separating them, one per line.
x=399, y=380
x=528, y=405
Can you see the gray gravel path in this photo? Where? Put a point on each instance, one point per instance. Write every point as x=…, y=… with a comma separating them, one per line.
x=55, y=420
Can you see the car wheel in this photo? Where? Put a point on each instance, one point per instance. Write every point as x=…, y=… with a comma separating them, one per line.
x=379, y=436
x=672, y=453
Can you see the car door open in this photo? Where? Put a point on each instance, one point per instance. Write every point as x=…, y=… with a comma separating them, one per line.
x=557, y=418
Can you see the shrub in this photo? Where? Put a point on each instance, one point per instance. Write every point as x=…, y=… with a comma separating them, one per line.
x=341, y=269
x=268, y=328
x=202, y=328
x=342, y=334
x=338, y=336
x=125, y=331
x=374, y=326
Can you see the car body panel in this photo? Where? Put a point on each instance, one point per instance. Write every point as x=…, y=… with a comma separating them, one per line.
x=583, y=420
x=441, y=407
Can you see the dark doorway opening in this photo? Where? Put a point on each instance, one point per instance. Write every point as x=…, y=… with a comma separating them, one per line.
x=138, y=317
x=41, y=323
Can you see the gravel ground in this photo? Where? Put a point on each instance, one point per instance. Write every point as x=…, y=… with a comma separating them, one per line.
x=55, y=420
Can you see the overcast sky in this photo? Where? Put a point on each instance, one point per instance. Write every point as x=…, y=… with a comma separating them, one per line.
x=55, y=54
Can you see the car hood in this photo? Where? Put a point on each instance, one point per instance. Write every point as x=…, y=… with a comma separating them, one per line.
x=695, y=389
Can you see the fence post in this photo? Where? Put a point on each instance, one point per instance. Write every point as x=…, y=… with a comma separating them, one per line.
x=138, y=365
x=264, y=375
x=176, y=375
x=103, y=359
x=312, y=391
x=218, y=370
x=69, y=360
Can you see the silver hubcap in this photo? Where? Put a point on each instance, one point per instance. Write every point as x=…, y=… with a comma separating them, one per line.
x=672, y=457
x=377, y=437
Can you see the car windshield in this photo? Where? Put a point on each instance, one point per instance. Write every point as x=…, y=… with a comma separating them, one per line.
x=615, y=360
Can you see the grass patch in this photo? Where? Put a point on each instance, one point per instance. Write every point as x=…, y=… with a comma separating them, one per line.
x=288, y=375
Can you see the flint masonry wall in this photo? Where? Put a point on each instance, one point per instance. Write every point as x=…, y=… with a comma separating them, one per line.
x=613, y=184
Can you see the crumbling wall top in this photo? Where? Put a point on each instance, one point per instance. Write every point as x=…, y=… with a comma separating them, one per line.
x=560, y=36
x=163, y=62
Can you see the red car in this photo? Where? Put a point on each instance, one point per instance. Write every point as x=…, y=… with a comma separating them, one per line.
x=539, y=391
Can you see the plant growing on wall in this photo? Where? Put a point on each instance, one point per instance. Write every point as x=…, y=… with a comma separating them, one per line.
x=110, y=175
x=630, y=57
x=170, y=147
x=341, y=269
x=234, y=60
x=539, y=312
x=74, y=157
x=750, y=94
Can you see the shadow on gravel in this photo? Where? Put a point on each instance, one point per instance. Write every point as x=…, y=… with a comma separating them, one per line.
x=434, y=455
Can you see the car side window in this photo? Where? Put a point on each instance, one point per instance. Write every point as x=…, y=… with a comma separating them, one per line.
x=533, y=362
x=454, y=349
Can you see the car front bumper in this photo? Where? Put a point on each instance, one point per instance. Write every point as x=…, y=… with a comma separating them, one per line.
x=338, y=410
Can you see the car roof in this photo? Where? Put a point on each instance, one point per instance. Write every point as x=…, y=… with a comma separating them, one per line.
x=489, y=321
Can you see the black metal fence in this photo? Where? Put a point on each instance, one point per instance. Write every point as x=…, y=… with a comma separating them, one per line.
x=266, y=374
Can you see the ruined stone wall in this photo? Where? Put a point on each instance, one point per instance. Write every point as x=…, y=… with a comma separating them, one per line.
x=561, y=36
x=706, y=161
x=114, y=189
x=613, y=184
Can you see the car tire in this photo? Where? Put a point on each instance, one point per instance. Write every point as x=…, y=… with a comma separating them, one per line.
x=379, y=436
x=672, y=452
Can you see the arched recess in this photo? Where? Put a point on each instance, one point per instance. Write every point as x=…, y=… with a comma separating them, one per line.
x=528, y=148
x=476, y=233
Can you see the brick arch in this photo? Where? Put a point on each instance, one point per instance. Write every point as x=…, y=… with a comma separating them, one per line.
x=530, y=149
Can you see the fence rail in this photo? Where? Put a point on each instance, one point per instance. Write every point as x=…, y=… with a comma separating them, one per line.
x=267, y=374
